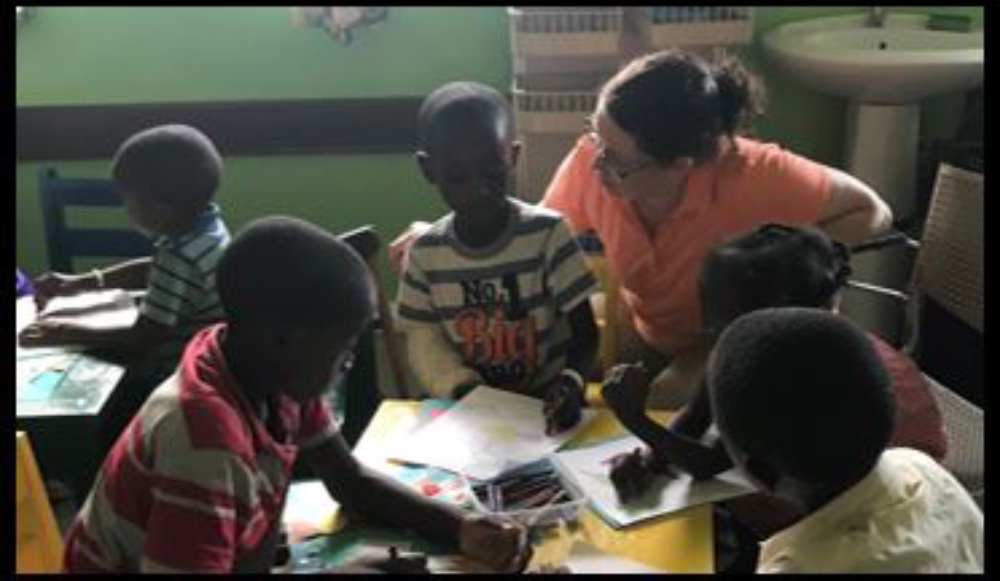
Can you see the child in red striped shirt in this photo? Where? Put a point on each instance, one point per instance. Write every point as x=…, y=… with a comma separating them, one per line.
x=197, y=481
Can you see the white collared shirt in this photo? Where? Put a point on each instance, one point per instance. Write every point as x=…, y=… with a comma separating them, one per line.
x=908, y=515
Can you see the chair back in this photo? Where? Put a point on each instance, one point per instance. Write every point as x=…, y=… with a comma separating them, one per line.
x=364, y=395
x=66, y=243
x=39, y=543
x=949, y=266
x=963, y=423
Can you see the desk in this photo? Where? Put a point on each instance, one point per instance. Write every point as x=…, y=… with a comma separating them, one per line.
x=63, y=409
x=680, y=542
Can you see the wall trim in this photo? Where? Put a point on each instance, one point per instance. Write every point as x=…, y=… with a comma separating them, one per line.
x=238, y=128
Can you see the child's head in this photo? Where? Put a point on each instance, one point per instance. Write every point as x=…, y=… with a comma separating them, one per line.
x=166, y=175
x=801, y=400
x=772, y=266
x=467, y=147
x=296, y=298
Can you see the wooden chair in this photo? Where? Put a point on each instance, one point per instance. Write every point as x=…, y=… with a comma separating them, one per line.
x=362, y=395
x=65, y=243
x=39, y=543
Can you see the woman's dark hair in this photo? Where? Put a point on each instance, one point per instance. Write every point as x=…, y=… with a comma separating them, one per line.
x=675, y=104
x=772, y=266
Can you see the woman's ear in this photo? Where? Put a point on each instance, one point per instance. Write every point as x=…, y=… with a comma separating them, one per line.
x=424, y=161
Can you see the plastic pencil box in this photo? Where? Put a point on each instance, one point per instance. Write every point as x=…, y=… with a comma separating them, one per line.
x=547, y=512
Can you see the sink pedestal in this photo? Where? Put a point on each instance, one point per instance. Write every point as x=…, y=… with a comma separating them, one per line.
x=881, y=150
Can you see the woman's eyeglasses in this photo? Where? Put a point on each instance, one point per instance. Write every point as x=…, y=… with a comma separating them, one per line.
x=611, y=169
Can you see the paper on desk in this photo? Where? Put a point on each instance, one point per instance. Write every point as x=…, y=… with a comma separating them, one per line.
x=309, y=510
x=112, y=307
x=486, y=432
x=99, y=309
x=589, y=467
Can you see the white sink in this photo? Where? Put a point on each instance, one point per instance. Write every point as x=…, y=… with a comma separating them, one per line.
x=900, y=62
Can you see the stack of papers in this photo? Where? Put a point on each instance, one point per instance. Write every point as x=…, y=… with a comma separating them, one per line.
x=485, y=433
x=589, y=468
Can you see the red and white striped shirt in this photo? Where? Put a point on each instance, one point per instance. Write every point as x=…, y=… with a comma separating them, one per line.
x=195, y=483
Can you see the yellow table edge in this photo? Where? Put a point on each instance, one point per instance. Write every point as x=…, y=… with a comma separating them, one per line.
x=678, y=543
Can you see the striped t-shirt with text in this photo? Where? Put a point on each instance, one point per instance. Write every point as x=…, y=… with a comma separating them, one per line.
x=504, y=307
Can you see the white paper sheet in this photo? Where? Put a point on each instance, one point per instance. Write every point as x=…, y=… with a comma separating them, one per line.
x=486, y=432
x=589, y=467
x=99, y=309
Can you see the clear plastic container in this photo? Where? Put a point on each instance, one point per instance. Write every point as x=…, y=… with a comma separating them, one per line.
x=566, y=510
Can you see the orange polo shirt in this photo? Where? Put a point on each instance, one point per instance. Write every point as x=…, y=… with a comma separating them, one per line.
x=742, y=189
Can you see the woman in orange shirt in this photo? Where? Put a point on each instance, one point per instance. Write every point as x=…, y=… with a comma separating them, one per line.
x=664, y=175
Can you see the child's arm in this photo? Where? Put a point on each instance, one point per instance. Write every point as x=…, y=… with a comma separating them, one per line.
x=570, y=282
x=564, y=399
x=498, y=543
x=583, y=349
x=131, y=274
x=625, y=391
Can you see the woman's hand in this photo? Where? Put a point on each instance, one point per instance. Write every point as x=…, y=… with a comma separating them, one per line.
x=499, y=543
x=399, y=247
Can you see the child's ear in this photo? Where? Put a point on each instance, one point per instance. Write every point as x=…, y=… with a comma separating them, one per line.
x=424, y=161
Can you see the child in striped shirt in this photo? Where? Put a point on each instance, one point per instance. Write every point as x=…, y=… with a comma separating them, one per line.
x=496, y=292
x=198, y=480
x=167, y=177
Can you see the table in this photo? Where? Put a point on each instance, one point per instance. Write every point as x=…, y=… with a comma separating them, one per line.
x=680, y=542
x=62, y=396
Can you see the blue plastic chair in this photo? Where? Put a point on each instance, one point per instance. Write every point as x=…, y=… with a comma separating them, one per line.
x=65, y=243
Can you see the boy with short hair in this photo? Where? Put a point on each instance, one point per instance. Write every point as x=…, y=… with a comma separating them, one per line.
x=198, y=480
x=167, y=177
x=494, y=293
x=805, y=408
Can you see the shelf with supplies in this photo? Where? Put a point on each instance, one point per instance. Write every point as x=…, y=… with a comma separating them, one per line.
x=674, y=26
x=564, y=31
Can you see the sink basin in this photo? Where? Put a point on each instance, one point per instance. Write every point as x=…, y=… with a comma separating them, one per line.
x=900, y=62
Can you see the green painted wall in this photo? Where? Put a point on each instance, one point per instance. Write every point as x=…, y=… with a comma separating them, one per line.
x=75, y=55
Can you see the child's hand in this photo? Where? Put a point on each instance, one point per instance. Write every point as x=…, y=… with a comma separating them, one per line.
x=46, y=332
x=563, y=403
x=626, y=389
x=631, y=473
x=497, y=542
x=388, y=561
x=53, y=284
x=401, y=245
